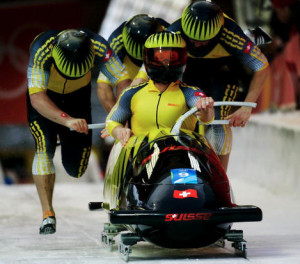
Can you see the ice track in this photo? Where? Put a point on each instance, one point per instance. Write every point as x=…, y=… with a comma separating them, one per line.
x=275, y=240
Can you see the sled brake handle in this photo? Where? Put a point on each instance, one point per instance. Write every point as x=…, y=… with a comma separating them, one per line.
x=177, y=126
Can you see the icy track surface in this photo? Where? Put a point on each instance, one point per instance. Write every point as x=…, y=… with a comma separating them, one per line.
x=275, y=240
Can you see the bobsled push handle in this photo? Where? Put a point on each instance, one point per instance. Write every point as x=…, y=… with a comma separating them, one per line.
x=93, y=126
x=177, y=126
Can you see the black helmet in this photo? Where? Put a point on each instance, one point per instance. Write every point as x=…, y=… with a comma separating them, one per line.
x=165, y=56
x=202, y=20
x=136, y=31
x=73, y=53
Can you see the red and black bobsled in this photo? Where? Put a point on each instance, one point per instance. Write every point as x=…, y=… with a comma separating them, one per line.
x=171, y=191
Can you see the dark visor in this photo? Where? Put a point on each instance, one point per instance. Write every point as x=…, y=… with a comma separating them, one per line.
x=165, y=57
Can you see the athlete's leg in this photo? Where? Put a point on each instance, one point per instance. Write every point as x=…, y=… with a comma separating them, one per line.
x=43, y=169
x=75, y=152
x=224, y=159
x=220, y=137
x=45, y=187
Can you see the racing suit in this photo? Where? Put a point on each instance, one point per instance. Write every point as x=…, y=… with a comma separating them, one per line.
x=71, y=96
x=149, y=111
x=213, y=68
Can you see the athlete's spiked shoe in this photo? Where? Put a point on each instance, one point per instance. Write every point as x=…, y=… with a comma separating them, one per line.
x=49, y=224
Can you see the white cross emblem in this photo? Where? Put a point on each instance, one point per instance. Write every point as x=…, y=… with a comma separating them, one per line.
x=184, y=194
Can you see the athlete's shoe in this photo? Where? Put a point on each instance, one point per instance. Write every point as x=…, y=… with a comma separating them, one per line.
x=48, y=225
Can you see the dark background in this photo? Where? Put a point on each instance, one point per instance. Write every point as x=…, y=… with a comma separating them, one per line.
x=21, y=21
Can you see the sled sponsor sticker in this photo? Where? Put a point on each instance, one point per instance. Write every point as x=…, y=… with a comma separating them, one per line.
x=183, y=176
x=188, y=217
x=181, y=194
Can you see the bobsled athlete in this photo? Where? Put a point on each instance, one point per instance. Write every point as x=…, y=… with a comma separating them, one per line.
x=128, y=43
x=59, y=91
x=156, y=104
x=217, y=49
x=216, y=45
x=152, y=108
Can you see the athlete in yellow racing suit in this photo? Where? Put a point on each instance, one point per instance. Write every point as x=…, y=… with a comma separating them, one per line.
x=216, y=47
x=152, y=108
x=127, y=41
x=59, y=91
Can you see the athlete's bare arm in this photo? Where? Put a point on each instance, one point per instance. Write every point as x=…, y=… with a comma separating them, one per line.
x=106, y=96
x=242, y=115
x=47, y=108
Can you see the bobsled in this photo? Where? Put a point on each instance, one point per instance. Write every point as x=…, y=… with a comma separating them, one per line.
x=170, y=189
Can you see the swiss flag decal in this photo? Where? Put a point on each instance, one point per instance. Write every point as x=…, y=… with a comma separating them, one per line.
x=185, y=194
x=108, y=55
x=248, y=47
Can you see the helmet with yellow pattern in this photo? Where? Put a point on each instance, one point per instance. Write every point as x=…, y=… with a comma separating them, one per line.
x=165, y=56
x=201, y=24
x=73, y=53
x=136, y=31
x=202, y=20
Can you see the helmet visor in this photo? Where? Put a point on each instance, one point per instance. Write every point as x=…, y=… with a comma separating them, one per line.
x=161, y=58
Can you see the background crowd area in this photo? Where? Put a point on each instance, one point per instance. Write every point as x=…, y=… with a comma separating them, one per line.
x=23, y=20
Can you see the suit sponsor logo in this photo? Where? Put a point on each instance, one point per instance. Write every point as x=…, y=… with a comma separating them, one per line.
x=169, y=104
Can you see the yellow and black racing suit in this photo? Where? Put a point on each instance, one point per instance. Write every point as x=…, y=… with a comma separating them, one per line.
x=151, y=111
x=213, y=69
x=72, y=96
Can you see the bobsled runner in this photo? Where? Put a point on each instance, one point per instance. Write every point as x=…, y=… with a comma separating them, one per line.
x=170, y=190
